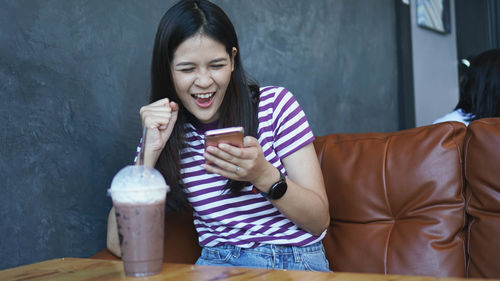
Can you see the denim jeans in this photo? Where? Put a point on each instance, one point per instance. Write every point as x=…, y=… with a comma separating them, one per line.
x=268, y=256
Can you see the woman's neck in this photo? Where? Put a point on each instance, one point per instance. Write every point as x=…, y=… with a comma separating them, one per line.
x=203, y=127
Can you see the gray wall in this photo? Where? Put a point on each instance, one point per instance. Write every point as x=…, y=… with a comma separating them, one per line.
x=73, y=75
x=435, y=70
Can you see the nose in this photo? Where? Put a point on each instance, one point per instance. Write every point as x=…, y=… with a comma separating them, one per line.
x=204, y=79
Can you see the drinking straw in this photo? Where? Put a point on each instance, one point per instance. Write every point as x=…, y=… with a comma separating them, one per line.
x=140, y=160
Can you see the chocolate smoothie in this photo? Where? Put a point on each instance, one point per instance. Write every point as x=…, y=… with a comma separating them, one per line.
x=141, y=229
x=139, y=195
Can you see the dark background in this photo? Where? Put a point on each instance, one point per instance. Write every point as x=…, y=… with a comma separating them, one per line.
x=478, y=26
x=73, y=75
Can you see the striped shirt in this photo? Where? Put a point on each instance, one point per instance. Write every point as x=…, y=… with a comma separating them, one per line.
x=247, y=219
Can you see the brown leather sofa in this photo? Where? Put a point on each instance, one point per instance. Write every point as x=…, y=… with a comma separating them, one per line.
x=422, y=201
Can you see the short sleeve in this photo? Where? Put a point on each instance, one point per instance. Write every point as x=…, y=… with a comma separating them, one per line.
x=290, y=126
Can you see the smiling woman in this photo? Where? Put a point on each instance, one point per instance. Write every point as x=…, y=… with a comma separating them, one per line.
x=201, y=71
x=255, y=205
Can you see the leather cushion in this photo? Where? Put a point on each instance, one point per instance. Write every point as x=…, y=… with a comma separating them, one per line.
x=396, y=201
x=482, y=175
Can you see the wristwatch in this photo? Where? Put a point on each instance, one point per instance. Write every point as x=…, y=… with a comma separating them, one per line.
x=276, y=191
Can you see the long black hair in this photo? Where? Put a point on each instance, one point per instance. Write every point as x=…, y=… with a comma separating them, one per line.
x=480, y=86
x=239, y=107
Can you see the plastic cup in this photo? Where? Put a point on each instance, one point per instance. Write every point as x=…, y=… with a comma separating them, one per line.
x=139, y=195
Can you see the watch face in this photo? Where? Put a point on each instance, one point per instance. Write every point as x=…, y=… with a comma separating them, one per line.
x=278, y=189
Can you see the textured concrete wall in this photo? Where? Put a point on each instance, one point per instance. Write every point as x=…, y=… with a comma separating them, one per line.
x=73, y=75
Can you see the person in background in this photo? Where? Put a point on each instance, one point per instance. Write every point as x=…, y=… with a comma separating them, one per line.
x=261, y=205
x=479, y=90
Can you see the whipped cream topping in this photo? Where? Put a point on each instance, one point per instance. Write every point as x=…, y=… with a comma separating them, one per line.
x=138, y=185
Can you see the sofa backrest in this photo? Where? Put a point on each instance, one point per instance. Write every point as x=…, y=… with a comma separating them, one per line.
x=482, y=175
x=396, y=201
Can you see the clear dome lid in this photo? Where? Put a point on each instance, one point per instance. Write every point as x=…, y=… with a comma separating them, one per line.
x=138, y=184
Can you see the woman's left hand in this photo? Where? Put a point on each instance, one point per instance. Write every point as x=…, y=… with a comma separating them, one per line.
x=243, y=164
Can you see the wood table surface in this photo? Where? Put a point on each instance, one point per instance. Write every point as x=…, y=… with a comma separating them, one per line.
x=94, y=269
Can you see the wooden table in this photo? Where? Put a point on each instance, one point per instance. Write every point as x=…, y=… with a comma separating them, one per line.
x=94, y=269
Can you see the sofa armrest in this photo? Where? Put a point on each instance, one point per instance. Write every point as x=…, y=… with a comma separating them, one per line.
x=181, y=240
x=104, y=254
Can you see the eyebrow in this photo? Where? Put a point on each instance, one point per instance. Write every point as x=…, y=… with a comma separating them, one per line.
x=187, y=63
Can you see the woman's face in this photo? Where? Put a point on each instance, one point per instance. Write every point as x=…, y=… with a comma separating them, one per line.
x=201, y=70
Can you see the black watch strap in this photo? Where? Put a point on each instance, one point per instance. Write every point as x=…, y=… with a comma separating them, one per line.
x=277, y=190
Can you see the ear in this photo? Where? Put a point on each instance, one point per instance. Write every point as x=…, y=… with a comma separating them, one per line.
x=234, y=52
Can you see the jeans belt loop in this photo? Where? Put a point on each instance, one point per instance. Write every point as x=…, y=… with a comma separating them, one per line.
x=296, y=254
x=236, y=252
x=273, y=250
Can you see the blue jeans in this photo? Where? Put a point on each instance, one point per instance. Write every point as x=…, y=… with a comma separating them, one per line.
x=268, y=256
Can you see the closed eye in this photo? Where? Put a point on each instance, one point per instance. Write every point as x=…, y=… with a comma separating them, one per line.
x=216, y=66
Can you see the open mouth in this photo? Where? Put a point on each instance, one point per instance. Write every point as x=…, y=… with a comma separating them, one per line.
x=204, y=99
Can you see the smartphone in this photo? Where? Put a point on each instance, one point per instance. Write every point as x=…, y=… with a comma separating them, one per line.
x=231, y=135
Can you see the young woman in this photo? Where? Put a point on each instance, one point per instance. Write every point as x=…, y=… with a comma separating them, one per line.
x=262, y=205
x=479, y=90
